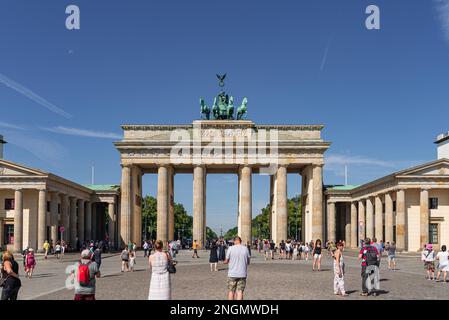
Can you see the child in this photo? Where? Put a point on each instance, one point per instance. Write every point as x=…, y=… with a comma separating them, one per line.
x=132, y=260
x=30, y=263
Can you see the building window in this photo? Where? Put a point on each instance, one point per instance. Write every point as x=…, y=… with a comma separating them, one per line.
x=433, y=203
x=9, y=204
x=433, y=233
x=8, y=231
x=394, y=206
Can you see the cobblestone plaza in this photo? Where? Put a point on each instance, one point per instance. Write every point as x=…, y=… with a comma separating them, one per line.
x=267, y=280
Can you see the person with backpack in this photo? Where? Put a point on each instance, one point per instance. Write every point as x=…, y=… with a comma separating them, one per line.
x=370, y=259
x=125, y=259
x=428, y=255
x=30, y=263
x=83, y=276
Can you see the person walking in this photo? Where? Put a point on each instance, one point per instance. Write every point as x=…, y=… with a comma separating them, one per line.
x=132, y=260
x=238, y=258
x=10, y=274
x=316, y=253
x=339, y=271
x=83, y=275
x=58, y=250
x=195, y=249
x=272, y=249
x=30, y=263
x=282, y=249
x=125, y=259
x=391, y=250
x=145, y=249
x=429, y=261
x=160, y=286
x=379, y=247
x=266, y=249
x=443, y=266
x=213, y=258
x=222, y=251
x=96, y=256
x=369, y=258
x=46, y=248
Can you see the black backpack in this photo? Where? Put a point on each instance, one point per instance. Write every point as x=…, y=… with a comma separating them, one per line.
x=371, y=256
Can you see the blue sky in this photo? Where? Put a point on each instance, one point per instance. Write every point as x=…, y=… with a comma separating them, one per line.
x=382, y=95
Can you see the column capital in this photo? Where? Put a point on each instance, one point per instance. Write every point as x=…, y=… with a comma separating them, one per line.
x=42, y=189
x=316, y=165
x=199, y=165
x=126, y=165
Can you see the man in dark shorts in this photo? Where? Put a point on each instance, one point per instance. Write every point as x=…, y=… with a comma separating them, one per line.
x=238, y=258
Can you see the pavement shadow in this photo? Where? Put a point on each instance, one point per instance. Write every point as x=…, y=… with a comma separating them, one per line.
x=382, y=280
x=380, y=292
x=112, y=275
x=43, y=275
x=351, y=291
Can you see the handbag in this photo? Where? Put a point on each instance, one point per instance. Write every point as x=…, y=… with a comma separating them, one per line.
x=3, y=281
x=171, y=266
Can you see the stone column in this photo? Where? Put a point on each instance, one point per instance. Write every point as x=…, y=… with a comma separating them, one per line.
x=362, y=220
x=348, y=223
x=281, y=205
x=317, y=203
x=54, y=217
x=73, y=221
x=245, y=203
x=199, y=173
x=401, y=225
x=354, y=224
x=94, y=222
x=65, y=217
x=331, y=222
x=125, y=208
x=424, y=217
x=41, y=220
x=369, y=218
x=388, y=218
x=18, y=220
x=272, y=220
x=81, y=215
x=162, y=204
x=111, y=224
x=88, y=221
x=171, y=203
x=379, y=232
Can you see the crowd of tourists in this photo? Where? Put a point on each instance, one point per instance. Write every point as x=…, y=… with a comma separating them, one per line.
x=235, y=254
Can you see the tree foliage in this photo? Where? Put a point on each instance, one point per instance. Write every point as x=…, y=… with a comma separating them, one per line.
x=261, y=223
x=183, y=221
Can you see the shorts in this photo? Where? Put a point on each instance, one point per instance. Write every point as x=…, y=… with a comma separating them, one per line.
x=443, y=267
x=429, y=265
x=236, y=284
x=392, y=258
x=317, y=256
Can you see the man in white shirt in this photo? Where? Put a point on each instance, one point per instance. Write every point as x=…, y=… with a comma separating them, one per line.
x=238, y=258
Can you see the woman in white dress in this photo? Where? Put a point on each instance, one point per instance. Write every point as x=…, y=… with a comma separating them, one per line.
x=443, y=258
x=160, y=288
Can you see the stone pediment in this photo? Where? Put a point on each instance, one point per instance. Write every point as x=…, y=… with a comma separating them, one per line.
x=9, y=169
x=435, y=168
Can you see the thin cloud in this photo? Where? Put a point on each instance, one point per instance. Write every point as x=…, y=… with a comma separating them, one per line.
x=10, y=126
x=442, y=9
x=326, y=52
x=338, y=159
x=45, y=150
x=33, y=96
x=83, y=132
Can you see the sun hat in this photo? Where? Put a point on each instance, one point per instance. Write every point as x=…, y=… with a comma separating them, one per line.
x=85, y=254
x=429, y=246
x=30, y=249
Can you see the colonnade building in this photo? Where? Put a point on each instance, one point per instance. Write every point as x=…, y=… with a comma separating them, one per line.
x=410, y=207
x=36, y=206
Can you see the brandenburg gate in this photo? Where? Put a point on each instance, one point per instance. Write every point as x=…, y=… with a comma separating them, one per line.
x=218, y=143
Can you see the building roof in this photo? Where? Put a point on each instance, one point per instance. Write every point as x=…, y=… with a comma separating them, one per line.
x=343, y=187
x=102, y=187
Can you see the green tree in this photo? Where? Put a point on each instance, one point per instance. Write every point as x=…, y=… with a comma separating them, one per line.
x=261, y=223
x=210, y=234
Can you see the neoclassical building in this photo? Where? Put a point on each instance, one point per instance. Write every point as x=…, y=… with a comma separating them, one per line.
x=238, y=147
x=34, y=205
x=410, y=207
